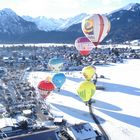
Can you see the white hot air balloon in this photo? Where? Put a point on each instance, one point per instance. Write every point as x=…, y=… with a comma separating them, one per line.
x=96, y=28
x=83, y=45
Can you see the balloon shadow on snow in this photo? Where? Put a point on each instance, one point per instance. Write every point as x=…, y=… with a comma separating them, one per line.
x=69, y=94
x=75, y=79
x=104, y=105
x=105, y=65
x=112, y=87
x=132, y=120
x=80, y=114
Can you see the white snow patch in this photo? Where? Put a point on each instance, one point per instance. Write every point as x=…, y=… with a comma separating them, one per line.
x=117, y=108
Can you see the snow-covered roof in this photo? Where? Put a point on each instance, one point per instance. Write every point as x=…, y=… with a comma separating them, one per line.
x=83, y=131
x=20, y=118
x=27, y=112
x=6, y=122
x=2, y=108
x=135, y=41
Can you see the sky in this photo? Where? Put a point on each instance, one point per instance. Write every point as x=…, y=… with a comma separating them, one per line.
x=63, y=8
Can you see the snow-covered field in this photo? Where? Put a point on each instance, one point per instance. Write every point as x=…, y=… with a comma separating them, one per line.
x=117, y=107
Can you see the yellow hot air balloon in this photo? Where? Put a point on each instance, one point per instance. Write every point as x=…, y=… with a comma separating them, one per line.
x=88, y=72
x=48, y=78
x=86, y=90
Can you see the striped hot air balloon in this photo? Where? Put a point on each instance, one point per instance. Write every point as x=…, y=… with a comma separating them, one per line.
x=45, y=87
x=96, y=28
x=86, y=90
x=83, y=45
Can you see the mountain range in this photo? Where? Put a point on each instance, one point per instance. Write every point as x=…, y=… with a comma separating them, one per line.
x=51, y=24
x=125, y=26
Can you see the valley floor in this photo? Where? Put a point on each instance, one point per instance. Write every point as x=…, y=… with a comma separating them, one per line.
x=117, y=107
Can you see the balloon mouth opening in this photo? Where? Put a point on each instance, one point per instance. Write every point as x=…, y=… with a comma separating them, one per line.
x=88, y=78
x=85, y=53
x=95, y=43
x=46, y=90
x=45, y=95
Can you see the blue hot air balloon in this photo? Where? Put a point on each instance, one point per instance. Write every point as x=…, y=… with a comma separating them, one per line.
x=59, y=79
x=55, y=64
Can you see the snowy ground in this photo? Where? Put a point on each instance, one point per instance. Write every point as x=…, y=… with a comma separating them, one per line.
x=117, y=107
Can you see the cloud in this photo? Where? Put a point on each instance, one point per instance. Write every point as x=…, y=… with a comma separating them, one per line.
x=106, y=6
x=50, y=8
x=60, y=8
x=110, y=2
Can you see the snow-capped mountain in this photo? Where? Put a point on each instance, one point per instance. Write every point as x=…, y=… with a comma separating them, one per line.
x=51, y=24
x=73, y=20
x=125, y=23
x=11, y=23
x=44, y=23
x=125, y=26
x=132, y=7
x=129, y=7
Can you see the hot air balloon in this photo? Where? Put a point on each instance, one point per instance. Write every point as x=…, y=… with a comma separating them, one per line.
x=86, y=90
x=96, y=28
x=88, y=72
x=48, y=78
x=55, y=64
x=59, y=79
x=45, y=87
x=83, y=45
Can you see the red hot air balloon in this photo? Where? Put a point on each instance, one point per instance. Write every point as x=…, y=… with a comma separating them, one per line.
x=45, y=87
x=96, y=28
x=83, y=45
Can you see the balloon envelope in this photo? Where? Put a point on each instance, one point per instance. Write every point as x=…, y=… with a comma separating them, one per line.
x=59, y=79
x=96, y=28
x=84, y=53
x=83, y=45
x=45, y=87
x=88, y=72
x=55, y=64
x=86, y=90
x=48, y=78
